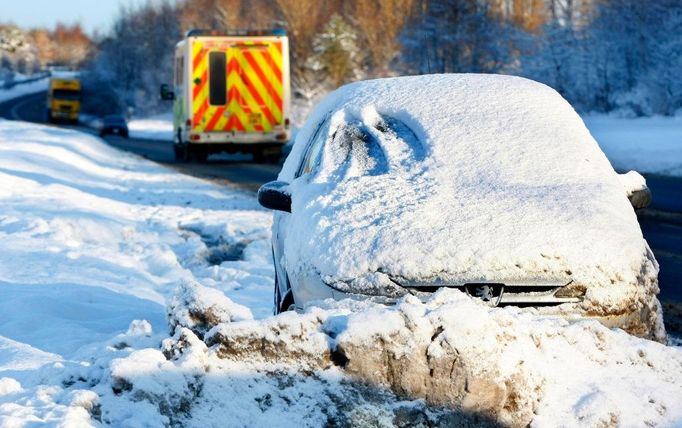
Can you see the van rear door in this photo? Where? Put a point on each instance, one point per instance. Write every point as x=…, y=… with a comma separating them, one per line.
x=237, y=85
x=255, y=85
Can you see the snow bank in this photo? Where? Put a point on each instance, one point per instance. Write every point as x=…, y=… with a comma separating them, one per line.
x=358, y=362
x=92, y=238
x=647, y=144
x=199, y=308
x=23, y=89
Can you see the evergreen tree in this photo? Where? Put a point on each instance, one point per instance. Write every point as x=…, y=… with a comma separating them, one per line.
x=336, y=52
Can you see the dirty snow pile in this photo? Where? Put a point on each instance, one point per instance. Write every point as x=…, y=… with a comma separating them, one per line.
x=102, y=252
x=356, y=364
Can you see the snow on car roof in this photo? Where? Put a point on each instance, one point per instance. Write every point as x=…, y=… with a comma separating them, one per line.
x=460, y=177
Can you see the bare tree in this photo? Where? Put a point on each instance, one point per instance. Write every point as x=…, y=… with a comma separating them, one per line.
x=42, y=40
x=381, y=22
x=72, y=45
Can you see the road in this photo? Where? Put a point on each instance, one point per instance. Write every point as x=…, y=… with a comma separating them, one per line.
x=661, y=223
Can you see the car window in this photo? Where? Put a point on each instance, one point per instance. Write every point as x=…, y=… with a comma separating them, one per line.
x=394, y=128
x=357, y=152
x=312, y=154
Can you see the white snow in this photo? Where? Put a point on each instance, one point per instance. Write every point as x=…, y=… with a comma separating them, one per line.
x=632, y=182
x=159, y=127
x=498, y=180
x=23, y=89
x=9, y=386
x=97, y=246
x=92, y=238
x=647, y=144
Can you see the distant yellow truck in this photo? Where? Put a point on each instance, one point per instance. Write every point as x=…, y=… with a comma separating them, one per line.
x=231, y=93
x=63, y=99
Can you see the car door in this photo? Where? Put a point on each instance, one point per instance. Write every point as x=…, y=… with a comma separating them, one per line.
x=309, y=161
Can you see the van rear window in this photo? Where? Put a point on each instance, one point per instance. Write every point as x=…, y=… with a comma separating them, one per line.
x=217, y=78
x=66, y=94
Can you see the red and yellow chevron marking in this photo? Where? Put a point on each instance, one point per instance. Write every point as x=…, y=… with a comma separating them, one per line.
x=254, y=87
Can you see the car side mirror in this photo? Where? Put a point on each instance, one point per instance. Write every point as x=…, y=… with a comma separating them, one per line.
x=640, y=198
x=166, y=93
x=636, y=189
x=275, y=196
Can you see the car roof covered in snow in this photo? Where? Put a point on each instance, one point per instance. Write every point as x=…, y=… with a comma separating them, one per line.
x=464, y=177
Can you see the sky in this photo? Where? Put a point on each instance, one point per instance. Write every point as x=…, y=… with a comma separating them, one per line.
x=92, y=14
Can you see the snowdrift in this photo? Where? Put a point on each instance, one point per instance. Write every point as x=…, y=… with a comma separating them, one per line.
x=461, y=357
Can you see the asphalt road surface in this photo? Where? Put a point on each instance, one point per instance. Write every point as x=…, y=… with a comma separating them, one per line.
x=661, y=223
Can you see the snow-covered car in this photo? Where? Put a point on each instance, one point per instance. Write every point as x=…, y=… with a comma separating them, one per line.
x=116, y=125
x=490, y=184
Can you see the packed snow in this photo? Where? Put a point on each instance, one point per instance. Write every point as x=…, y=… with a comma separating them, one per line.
x=456, y=179
x=135, y=296
x=646, y=144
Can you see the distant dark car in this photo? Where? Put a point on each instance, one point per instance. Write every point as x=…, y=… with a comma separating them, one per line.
x=116, y=125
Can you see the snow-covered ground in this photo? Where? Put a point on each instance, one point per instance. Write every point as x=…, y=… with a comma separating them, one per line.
x=92, y=238
x=23, y=89
x=647, y=144
x=101, y=251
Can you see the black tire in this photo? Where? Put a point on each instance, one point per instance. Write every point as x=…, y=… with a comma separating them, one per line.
x=180, y=152
x=273, y=155
x=277, y=297
x=200, y=156
x=258, y=156
x=288, y=302
x=282, y=304
x=268, y=155
x=195, y=154
x=179, y=148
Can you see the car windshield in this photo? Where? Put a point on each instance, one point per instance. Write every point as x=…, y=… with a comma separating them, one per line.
x=358, y=148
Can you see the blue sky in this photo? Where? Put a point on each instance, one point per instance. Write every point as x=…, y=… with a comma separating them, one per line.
x=92, y=14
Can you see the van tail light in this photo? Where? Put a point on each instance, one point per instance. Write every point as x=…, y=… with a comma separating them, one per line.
x=286, y=122
x=188, y=122
x=195, y=137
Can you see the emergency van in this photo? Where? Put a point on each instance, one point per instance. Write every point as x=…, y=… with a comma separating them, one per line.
x=231, y=93
x=63, y=99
